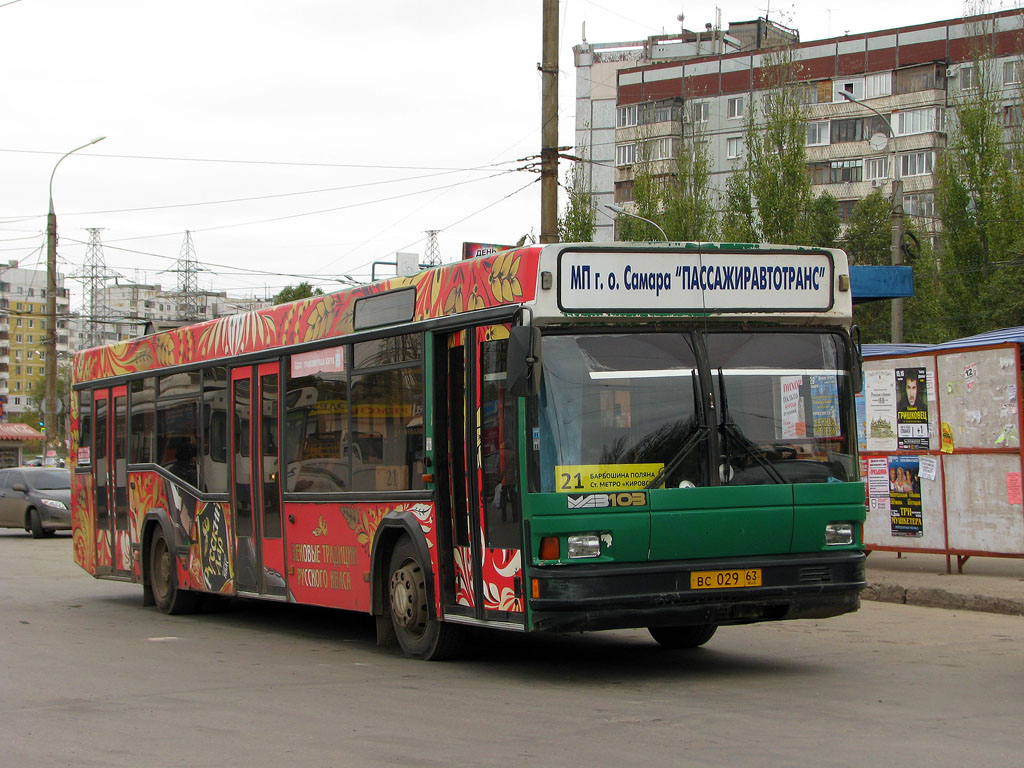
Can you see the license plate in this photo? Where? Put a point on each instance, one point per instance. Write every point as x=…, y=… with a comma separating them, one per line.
x=741, y=577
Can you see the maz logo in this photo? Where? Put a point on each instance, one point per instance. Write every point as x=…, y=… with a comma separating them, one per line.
x=605, y=500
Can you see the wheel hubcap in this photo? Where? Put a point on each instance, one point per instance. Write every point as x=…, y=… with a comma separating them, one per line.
x=408, y=598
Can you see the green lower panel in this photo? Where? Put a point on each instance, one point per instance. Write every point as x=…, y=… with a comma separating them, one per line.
x=628, y=532
x=721, y=522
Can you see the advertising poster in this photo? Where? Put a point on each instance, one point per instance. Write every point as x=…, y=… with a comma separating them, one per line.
x=825, y=406
x=911, y=409
x=878, y=484
x=862, y=434
x=792, y=408
x=880, y=410
x=905, y=496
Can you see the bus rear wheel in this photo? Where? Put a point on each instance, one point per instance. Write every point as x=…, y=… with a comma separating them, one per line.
x=419, y=633
x=683, y=637
x=163, y=579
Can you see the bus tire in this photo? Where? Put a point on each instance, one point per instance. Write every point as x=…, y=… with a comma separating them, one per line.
x=35, y=523
x=163, y=578
x=683, y=637
x=419, y=633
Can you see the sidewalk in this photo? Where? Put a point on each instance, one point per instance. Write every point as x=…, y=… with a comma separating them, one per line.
x=990, y=584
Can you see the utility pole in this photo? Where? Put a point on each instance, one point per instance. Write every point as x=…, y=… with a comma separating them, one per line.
x=188, y=281
x=549, y=125
x=897, y=244
x=95, y=275
x=433, y=255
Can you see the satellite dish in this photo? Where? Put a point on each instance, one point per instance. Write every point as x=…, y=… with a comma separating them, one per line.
x=878, y=141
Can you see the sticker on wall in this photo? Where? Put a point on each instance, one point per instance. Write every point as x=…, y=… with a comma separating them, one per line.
x=971, y=376
x=1013, y=489
x=929, y=467
x=947, y=438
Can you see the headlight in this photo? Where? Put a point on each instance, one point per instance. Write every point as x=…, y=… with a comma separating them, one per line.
x=837, y=534
x=54, y=503
x=587, y=545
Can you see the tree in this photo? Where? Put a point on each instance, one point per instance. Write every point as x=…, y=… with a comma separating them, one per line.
x=678, y=199
x=576, y=224
x=295, y=292
x=687, y=203
x=979, y=199
x=770, y=199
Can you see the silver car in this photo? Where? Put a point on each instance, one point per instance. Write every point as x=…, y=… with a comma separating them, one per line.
x=37, y=499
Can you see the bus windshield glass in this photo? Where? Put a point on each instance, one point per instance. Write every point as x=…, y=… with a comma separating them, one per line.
x=783, y=407
x=625, y=411
x=615, y=409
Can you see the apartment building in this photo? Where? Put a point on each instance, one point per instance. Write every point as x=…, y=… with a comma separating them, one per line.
x=640, y=99
x=23, y=333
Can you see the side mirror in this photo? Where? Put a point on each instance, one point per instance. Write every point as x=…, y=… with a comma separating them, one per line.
x=856, y=361
x=522, y=366
x=19, y=487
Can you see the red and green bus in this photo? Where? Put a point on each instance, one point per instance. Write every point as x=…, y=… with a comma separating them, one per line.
x=552, y=438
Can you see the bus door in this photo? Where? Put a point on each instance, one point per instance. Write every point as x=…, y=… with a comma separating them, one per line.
x=110, y=481
x=480, y=516
x=255, y=487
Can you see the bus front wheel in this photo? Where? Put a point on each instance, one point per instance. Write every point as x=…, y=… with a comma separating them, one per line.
x=163, y=578
x=419, y=633
x=683, y=637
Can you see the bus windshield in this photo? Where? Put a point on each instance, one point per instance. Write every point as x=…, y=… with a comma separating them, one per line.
x=615, y=409
x=626, y=411
x=783, y=407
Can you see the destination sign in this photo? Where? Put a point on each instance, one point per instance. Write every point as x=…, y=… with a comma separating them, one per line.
x=655, y=281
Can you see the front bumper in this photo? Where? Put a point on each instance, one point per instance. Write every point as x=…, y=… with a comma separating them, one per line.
x=617, y=596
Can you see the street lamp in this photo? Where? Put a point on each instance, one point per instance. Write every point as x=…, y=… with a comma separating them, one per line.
x=50, y=345
x=896, y=214
x=619, y=209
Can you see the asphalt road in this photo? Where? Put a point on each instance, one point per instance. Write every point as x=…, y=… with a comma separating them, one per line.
x=90, y=678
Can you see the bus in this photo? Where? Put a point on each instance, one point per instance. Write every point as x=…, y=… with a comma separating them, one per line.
x=554, y=438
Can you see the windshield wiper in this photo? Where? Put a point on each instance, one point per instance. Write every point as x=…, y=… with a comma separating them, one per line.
x=729, y=429
x=699, y=433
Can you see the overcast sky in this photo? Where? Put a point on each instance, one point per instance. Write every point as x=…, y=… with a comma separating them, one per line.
x=304, y=139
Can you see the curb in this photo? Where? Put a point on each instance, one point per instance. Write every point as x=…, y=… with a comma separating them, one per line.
x=930, y=597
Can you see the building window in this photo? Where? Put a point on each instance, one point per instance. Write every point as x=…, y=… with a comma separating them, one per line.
x=18, y=323
x=735, y=106
x=1012, y=115
x=817, y=134
x=623, y=191
x=625, y=154
x=876, y=168
x=734, y=147
x=659, y=149
x=17, y=401
x=700, y=111
x=31, y=323
x=917, y=163
x=1011, y=72
x=842, y=171
x=851, y=129
x=17, y=370
x=659, y=111
x=922, y=78
x=920, y=121
x=17, y=386
x=846, y=210
x=28, y=370
x=853, y=86
x=31, y=354
x=625, y=118
x=878, y=84
x=922, y=205
x=968, y=77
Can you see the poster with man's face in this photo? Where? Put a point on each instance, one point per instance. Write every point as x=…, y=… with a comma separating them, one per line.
x=911, y=409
